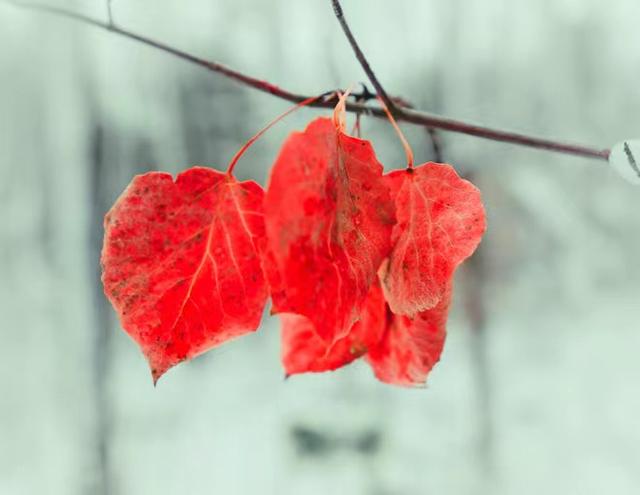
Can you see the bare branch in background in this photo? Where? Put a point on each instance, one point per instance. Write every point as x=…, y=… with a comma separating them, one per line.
x=110, y=13
x=476, y=274
x=436, y=144
x=401, y=114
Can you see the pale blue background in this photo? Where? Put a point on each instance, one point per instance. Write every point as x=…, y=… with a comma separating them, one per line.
x=543, y=399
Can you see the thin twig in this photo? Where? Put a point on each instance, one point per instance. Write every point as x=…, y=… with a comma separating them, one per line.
x=337, y=9
x=436, y=144
x=110, y=13
x=402, y=114
x=391, y=103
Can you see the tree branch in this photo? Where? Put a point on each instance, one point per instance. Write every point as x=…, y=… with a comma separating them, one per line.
x=401, y=114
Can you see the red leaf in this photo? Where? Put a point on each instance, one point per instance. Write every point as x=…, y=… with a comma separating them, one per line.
x=440, y=223
x=180, y=262
x=411, y=345
x=328, y=218
x=304, y=351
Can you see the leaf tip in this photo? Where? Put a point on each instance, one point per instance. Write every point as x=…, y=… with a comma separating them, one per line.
x=157, y=371
x=155, y=376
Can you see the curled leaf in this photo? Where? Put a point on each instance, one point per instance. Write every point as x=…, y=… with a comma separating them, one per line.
x=303, y=351
x=625, y=160
x=328, y=218
x=411, y=345
x=440, y=221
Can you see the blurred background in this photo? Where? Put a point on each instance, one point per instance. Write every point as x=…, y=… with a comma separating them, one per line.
x=538, y=387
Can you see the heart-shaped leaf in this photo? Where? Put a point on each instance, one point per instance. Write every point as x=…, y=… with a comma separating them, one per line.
x=181, y=264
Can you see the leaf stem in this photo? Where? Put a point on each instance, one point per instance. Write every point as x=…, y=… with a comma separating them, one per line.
x=259, y=134
x=405, y=144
